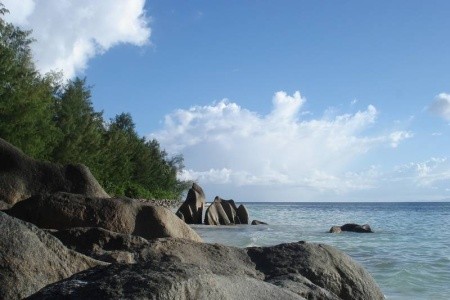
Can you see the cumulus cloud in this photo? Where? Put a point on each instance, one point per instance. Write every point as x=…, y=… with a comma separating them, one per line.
x=441, y=106
x=69, y=33
x=397, y=136
x=226, y=144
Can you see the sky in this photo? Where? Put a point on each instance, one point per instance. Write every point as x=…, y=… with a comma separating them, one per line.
x=269, y=100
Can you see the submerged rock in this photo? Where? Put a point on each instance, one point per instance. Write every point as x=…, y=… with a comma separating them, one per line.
x=63, y=210
x=30, y=259
x=22, y=176
x=191, y=211
x=352, y=228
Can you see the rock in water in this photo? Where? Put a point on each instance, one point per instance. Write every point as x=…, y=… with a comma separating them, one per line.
x=31, y=259
x=256, y=222
x=225, y=212
x=352, y=228
x=242, y=214
x=191, y=211
x=179, y=269
x=63, y=210
x=21, y=177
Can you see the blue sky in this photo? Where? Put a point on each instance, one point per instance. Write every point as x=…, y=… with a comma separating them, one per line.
x=269, y=100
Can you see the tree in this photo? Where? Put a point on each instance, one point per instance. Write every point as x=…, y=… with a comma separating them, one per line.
x=26, y=97
x=81, y=127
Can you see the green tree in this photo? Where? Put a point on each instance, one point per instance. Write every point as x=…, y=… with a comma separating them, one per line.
x=26, y=97
x=81, y=127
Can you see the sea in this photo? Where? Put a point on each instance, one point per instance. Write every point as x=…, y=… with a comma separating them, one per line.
x=408, y=254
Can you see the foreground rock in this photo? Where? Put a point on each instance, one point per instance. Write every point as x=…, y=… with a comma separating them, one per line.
x=352, y=228
x=225, y=212
x=22, y=177
x=315, y=271
x=191, y=211
x=103, y=244
x=166, y=280
x=63, y=211
x=31, y=259
x=179, y=269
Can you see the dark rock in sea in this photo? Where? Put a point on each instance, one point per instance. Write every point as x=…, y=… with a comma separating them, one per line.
x=63, y=210
x=171, y=268
x=256, y=222
x=22, y=177
x=191, y=211
x=242, y=214
x=224, y=212
x=30, y=259
x=352, y=228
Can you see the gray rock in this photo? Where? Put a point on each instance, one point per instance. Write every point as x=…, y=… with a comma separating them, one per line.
x=322, y=265
x=171, y=268
x=63, y=210
x=191, y=211
x=103, y=244
x=21, y=177
x=162, y=280
x=352, y=228
x=31, y=259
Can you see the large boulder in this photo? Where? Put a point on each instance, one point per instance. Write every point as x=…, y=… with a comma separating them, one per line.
x=22, y=177
x=352, y=228
x=191, y=211
x=102, y=244
x=225, y=212
x=170, y=268
x=30, y=259
x=63, y=210
x=163, y=280
x=310, y=269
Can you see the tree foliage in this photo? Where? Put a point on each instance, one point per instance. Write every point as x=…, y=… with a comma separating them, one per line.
x=56, y=121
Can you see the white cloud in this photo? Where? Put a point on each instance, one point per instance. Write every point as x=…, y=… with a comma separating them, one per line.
x=441, y=106
x=427, y=173
x=397, y=136
x=225, y=144
x=69, y=33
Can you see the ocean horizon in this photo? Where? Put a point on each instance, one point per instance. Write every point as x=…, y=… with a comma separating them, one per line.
x=408, y=254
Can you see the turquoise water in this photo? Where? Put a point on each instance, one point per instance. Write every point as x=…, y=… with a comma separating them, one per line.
x=408, y=255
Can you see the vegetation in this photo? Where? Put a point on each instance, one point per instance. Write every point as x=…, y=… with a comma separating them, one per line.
x=56, y=121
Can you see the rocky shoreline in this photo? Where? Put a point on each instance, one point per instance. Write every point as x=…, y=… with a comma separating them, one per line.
x=62, y=236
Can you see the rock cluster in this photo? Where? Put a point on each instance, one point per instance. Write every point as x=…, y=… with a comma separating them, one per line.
x=55, y=244
x=219, y=212
x=171, y=268
x=225, y=212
